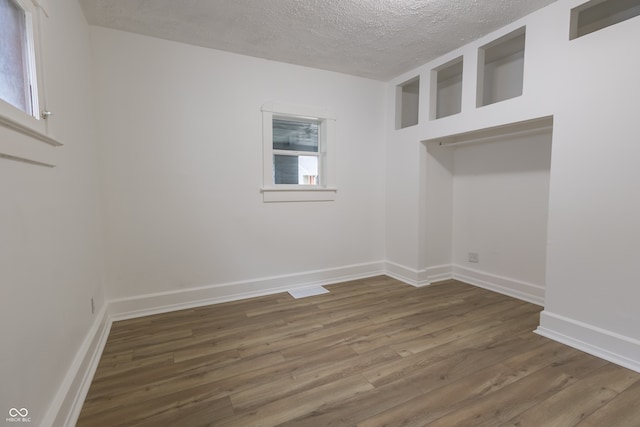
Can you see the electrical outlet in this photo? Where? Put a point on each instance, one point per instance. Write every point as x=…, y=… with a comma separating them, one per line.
x=93, y=307
x=473, y=257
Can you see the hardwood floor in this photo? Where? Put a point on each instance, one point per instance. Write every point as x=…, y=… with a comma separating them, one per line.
x=371, y=352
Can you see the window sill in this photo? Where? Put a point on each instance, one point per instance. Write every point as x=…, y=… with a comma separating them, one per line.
x=298, y=194
x=15, y=125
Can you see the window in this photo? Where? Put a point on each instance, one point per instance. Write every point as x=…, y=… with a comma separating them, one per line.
x=18, y=85
x=298, y=153
x=20, y=97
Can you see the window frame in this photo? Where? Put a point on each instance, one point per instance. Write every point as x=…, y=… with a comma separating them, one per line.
x=34, y=124
x=325, y=190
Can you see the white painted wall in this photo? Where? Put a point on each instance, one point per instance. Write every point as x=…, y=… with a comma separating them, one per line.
x=51, y=260
x=402, y=206
x=181, y=133
x=180, y=149
x=589, y=86
x=439, y=169
x=500, y=206
x=430, y=256
x=595, y=204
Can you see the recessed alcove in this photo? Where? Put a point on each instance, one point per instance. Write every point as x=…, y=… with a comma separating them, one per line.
x=501, y=68
x=407, y=103
x=488, y=193
x=598, y=14
x=446, y=90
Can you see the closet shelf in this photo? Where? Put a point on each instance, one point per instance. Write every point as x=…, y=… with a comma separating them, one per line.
x=526, y=127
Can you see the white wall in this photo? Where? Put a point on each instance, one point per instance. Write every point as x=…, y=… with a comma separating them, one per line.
x=500, y=207
x=50, y=232
x=594, y=208
x=181, y=134
x=402, y=207
x=419, y=186
x=180, y=150
x=437, y=221
x=589, y=86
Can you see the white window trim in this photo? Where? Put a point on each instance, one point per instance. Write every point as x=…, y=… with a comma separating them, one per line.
x=14, y=118
x=326, y=189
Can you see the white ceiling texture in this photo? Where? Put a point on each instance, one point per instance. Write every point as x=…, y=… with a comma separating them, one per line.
x=378, y=39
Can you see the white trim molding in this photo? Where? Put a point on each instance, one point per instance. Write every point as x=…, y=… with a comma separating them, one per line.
x=67, y=403
x=17, y=126
x=162, y=302
x=298, y=110
x=504, y=285
x=410, y=276
x=325, y=190
x=438, y=273
x=418, y=278
x=507, y=286
x=301, y=194
x=607, y=345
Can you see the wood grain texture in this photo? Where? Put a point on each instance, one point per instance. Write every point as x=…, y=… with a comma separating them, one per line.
x=372, y=352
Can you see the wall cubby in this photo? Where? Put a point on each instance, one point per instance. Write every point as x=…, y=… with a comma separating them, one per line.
x=407, y=101
x=598, y=14
x=501, y=69
x=446, y=91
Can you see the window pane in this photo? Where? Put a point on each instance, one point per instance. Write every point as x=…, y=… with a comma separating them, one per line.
x=295, y=135
x=285, y=169
x=14, y=83
x=301, y=170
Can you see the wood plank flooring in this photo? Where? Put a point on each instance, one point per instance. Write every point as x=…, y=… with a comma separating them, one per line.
x=372, y=352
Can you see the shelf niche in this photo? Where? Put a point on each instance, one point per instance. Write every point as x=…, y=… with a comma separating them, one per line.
x=407, y=101
x=598, y=14
x=501, y=69
x=447, y=93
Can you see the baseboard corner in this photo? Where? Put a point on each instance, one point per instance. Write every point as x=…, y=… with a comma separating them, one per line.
x=410, y=276
x=504, y=285
x=67, y=403
x=610, y=346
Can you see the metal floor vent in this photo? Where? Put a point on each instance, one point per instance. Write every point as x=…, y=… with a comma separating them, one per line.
x=308, y=292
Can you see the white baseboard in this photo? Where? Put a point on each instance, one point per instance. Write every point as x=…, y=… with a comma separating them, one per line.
x=438, y=273
x=162, y=302
x=607, y=345
x=410, y=276
x=514, y=288
x=67, y=403
x=504, y=285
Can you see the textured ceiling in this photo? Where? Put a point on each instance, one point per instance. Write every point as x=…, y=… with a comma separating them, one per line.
x=379, y=39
